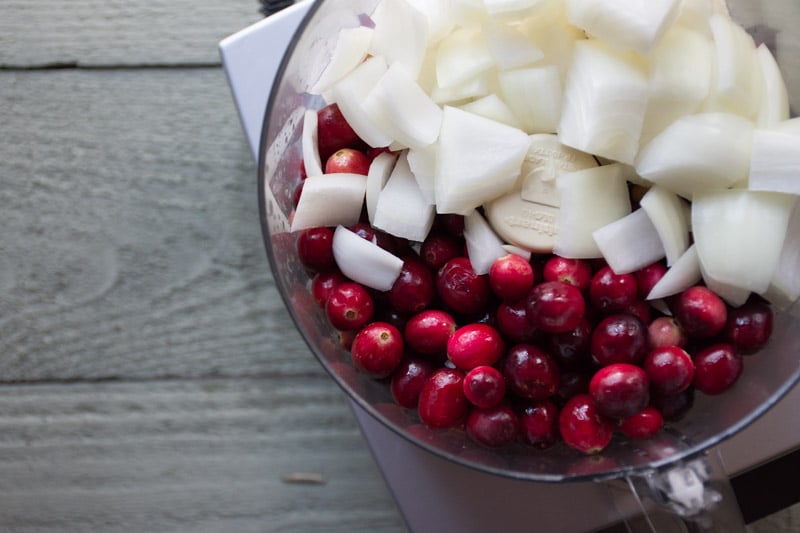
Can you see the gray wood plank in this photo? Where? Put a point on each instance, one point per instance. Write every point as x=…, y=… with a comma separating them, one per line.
x=131, y=245
x=200, y=455
x=36, y=33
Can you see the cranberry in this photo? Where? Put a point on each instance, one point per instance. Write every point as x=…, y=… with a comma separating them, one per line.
x=700, y=312
x=555, y=306
x=298, y=192
x=323, y=283
x=611, y=292
x=407, y=381
x=642, y=425
x=315, y=249
x=512, y=321
x=350, y=306
x=461, y=289
x=717, y=368
x=641, y=310
x=438, y=248
x=452, y=224
x=620, y=389
x=377, y=349
x=333, y=131
x=347, y=160
x=442, y=403
x=571, y=348
x=427, y=332
x=373, y=152
x=673, y=407
x=484, y=386
x=582, y=426
x=475, y=345
x=670, y=369
x=572, y=383
x=414, y=288
x=576, y=272
x=493, y=426
x=749, y=327
x=511, y=277
x=538, y=423
x=665, y=331
x=647, y=277
x=619, y=338
x=530, y=372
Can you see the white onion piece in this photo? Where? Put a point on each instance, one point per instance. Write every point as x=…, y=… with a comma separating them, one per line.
x=550, y=30
x=629, y=243
x=466, y=177
x=787, y=54
x=422, y=163
x=461, y=56
x=468, y=13
x=439, y=16
x=516, y=250
x=732, y=294
x=590, y=199
x=775, y=162
x=775, y=100
x=670, y=217
x=605, y=99
x=379, y=171
x=350, y=50
x=400, y=108
x=364, y=261
x=400, y=34
x=625, y=24
x=492, y=107
x=484, y=247
x=784, y=288
x=402, y=209
x=310, y=143
x=791, y=126
x=476, y=87
x=534, y=96
x=697, y=152
x=694, y=15
x=351, y=91
x=739, y=235
x=509, y=47
x=329, y=200
x=737, y=80
x=684, y=273
x=498, y=7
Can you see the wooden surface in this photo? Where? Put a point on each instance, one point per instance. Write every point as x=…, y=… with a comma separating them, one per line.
x=151, y=380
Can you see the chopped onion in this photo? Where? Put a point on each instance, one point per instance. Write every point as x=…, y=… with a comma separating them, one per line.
x=473, y=88
x=775, y=162
x=484, y=247
x=402, y=209
x=497, y=7
x=733, y=295
x=590, y=199
x=329, y=200
x=439, y=16
x=350, y=50
x=539, y=113
x=364, y=261
x=683, y=273
x=400, y=34
x=629, y=243
x=461, y=56
x=550, y=30
x=775, y=100
x=494, y=108
x=604, y=101
x=784, y=288
x=351, y=91
x=379, y=171
x=670, y=217
x=310, y=143
x=509, y=47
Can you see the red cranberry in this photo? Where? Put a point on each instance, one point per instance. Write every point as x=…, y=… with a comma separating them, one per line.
x=670, y=369
x=347, y=160
x=717, y=368
x=298, y=192
x=350, y=306
x=647, y=277
x=323, y=283
x=700, y=312
x=555, y=307
x=315, y=249
x=611, y=292
x=475, y=345
x=749, y=327
x=484, y=386
x=493, y=426
x=512, y=321
x=619, y=338
x=442, y=403
x=538, y=423
x=582, y=426
x=377, y=349
x=427, y=332
x=642, y=425
x=673, y=407
x=572, y=383
x=333, y=131
x=641, y=310
x=571, y=348
x=407, y=381
x=452, y=224
x=381, y=238
x=511, y=277
x=665, y=331
x=576, y=272
x=373, y=152
x=620, y=390
x=438, y=248
x=461, y=289
x=414, y=288
x=530, y=372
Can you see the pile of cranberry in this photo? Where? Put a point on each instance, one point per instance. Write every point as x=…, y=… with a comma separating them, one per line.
x=537, y=350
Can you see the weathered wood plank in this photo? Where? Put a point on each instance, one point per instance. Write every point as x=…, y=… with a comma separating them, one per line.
x=36, y=33
x=131, y=246
x=204, y=455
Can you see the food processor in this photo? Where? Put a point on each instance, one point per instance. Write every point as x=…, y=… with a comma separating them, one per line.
x=441, y=481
